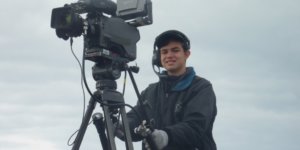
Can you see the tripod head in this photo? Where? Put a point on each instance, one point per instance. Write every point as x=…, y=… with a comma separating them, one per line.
x=105, y=73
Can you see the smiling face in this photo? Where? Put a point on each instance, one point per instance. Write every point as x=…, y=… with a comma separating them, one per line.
x=173, y=58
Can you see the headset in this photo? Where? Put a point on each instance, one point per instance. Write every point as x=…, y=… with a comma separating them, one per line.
x=161, y=40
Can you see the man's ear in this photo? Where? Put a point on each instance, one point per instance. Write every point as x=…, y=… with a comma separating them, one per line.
x=187, y=54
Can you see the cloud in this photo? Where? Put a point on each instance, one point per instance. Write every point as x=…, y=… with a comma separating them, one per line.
x=25, y=142
x=249, y=50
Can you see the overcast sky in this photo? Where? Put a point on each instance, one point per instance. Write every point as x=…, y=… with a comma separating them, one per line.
x=248, y=49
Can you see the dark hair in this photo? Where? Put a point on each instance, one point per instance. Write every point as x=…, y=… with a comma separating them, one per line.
x=172, y=35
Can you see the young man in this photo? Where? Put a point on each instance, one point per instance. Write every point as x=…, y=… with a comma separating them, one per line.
x=181, y=106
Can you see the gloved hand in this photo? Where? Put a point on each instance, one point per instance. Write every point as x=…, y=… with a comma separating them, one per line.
x=142, y=129
x=160, y=138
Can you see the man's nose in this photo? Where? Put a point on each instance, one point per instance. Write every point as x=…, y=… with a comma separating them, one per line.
x=169, y=54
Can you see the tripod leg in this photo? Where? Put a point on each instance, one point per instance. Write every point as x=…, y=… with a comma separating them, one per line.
x=100, y=126
x=109, y=127
x=108, y=98
x=84, y=124
x=128, y=141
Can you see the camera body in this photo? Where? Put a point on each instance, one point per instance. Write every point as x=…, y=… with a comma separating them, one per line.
x=109, y=29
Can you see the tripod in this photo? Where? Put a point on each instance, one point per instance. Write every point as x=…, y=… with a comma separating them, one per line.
x=110, y=100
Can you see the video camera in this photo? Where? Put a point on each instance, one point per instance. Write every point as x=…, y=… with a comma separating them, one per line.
x=110, y=35
x=109, y=29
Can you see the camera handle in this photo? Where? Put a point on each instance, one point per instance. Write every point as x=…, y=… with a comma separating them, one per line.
x=148, y=138
x=110, y=99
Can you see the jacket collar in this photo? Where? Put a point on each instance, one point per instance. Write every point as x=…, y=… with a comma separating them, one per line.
x=181, y=82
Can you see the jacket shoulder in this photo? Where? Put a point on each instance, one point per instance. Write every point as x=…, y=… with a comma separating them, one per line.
x=200, y=82
x=149, y=90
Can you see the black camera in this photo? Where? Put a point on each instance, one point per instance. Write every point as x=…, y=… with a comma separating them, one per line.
x=110, y=35
x=109, y=28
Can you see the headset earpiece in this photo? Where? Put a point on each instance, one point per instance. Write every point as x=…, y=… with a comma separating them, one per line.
x=156, y=57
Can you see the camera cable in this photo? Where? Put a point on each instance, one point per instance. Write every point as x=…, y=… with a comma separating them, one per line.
x=82, y=87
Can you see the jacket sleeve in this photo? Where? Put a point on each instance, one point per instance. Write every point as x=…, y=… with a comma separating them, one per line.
x=198, y=116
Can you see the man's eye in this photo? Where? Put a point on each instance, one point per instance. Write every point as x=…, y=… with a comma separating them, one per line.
x=175, y=50
x=163, y=52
